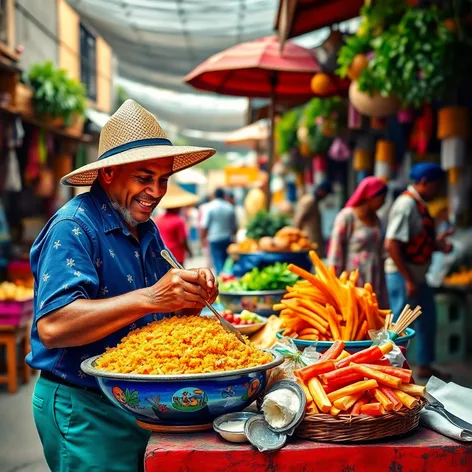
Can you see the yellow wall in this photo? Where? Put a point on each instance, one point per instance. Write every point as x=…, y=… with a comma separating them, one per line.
x=69, y=54
x=69, y=36
x=104, y=73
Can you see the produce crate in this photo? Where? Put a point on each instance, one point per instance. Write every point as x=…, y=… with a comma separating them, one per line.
x=451, y=311
x=452, y=329
x=14, y=313
x=450, y=345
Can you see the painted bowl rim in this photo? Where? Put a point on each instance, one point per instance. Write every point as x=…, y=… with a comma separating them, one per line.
x=88, y=367
x=410, y=333
x=244, y=293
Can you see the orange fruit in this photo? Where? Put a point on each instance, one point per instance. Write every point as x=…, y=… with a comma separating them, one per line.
x=321, y=84
x=451, y=25
x=358, y=64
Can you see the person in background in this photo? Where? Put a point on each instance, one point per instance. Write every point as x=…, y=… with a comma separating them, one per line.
x=307, y=215
x=357, y=239
x=173, y=231
x=410, y=241
x=218, y=228
x=255, y=201
x=229, y=197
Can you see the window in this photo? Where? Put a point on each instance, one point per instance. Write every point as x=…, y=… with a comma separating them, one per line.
x=88, y=62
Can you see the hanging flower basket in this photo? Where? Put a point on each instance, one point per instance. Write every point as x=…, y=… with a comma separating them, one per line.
x=372, y=105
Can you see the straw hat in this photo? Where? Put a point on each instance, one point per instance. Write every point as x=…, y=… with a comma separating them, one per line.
x=177, y=197
x=132, y=134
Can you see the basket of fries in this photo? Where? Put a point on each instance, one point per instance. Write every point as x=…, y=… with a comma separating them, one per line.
x=358, y=397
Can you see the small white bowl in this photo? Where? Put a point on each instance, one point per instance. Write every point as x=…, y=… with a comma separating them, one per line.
x=240, y=418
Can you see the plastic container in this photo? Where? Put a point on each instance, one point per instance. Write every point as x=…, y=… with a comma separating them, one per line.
x=14, y=313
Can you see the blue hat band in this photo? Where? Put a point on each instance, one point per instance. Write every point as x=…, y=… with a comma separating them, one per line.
x=135, y=144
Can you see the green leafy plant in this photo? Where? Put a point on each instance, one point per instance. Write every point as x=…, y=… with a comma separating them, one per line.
x=55, y=93
x=376, y=17
x=273, y=277
x=286, y=130
x=379, y=15
x=318, y=113
x=265, y=224
x=409, y=59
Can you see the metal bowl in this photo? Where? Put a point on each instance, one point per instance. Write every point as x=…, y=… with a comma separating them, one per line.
x=246, y=329
x=260, y=302
x=251, y=329
x=182, y=399
x=350, y=346
x=232, y=436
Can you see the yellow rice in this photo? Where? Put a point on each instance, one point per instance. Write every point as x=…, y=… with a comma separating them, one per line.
x=180, y=345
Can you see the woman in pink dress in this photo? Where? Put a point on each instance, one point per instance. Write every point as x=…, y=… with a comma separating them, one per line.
x=357, y=237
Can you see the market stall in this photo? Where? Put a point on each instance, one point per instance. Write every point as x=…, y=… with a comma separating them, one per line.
x=422, y=450
x=333, y=388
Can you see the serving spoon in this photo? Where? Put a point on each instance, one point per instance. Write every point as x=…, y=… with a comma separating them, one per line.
x=226, y=324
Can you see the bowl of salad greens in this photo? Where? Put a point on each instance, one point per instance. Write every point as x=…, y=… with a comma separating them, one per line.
x=257, y=290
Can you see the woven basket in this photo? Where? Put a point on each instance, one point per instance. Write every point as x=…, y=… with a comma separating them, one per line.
x=359, y=428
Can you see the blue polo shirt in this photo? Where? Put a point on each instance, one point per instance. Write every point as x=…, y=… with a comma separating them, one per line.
x=86, y=251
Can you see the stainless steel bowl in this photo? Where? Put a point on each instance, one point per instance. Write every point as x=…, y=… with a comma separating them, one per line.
x=239, y=417
x=259, y=302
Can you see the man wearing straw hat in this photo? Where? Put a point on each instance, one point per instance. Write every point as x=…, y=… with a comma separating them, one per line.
x=98, y=275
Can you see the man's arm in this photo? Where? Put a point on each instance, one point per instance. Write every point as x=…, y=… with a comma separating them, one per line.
x=85, y=321
x=396, y=252
x=398, y=234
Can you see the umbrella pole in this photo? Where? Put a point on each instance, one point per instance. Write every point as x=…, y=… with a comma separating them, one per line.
x=273, y=85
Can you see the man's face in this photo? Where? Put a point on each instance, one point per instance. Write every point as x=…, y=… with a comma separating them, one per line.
x=430, y=189
x=136, y=189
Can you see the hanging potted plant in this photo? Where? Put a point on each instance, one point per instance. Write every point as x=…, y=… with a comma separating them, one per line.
x=356, y=55
x=57, y=98
x=409, y=59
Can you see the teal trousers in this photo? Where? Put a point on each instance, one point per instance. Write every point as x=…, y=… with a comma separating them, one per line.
x=82, y=431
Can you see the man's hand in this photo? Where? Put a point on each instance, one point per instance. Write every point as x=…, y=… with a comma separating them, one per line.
x=180, y=289
x=212, y=283
x=442, y=244
x=411, y=288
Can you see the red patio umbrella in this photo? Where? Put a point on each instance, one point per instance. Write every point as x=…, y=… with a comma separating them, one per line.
x=259, y=69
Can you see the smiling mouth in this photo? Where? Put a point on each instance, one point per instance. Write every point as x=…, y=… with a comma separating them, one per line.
x=146, y=204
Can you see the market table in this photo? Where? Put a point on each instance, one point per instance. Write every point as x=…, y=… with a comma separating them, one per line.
x=422, y=450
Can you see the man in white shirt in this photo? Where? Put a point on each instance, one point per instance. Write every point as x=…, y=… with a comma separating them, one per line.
x=410, y=241
x=218, y=228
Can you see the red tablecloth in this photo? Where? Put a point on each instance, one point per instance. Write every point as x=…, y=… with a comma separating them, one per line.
x=422, y=451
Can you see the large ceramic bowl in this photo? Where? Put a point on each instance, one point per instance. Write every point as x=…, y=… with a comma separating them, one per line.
x=260, y=302
x=183, y=400
x=350, y=346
